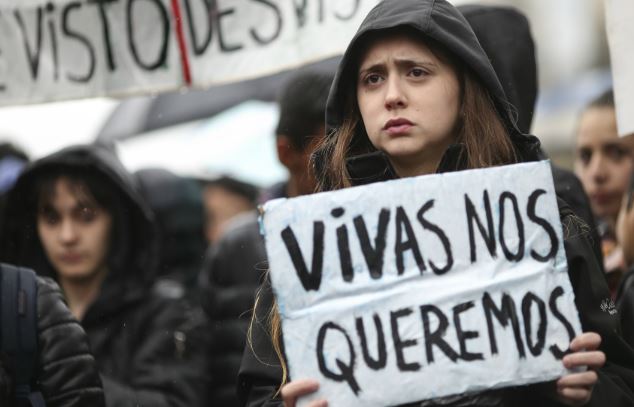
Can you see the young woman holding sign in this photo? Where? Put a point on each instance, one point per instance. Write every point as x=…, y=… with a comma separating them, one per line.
x=415, y=94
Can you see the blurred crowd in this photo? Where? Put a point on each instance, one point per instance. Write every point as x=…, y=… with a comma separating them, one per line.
x=159, y=269
x=159, y=272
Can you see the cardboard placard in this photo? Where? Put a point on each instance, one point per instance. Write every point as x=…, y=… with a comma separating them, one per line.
x=423, y=287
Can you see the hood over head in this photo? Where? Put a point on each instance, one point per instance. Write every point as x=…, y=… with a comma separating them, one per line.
x=505, y=36
x=132, y=253
x=442, y=23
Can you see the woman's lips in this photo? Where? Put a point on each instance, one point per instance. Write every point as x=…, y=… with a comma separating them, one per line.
x=605, y=198
x=397, y=126
x=70, y=258
x=398, y=130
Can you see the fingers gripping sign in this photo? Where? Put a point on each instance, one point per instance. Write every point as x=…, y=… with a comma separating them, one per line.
x=293, y=390
x=575, y=389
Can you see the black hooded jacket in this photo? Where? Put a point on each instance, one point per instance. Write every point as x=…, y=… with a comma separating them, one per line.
x=66, y=372
x=134, y=334
x=232, y=273
x=260, y=373
x=505, y=36
x=625, y=305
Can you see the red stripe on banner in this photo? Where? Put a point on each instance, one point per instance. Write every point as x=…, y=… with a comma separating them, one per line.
x=182, y=47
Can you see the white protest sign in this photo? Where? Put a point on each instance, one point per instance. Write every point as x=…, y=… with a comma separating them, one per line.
x=423, y=287
x=255, y=37
x=63, y=49
x=620, y=28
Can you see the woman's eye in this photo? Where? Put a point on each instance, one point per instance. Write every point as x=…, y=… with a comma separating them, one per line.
x=616, y=153
x=417, y=72
x=49, y=217
x=87, y=214
x=585, y=156
x=372, y=79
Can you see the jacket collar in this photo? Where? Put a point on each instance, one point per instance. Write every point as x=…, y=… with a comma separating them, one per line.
x=376, y=167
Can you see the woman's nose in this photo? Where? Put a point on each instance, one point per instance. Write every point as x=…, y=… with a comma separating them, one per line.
x=68, y=232
x=394, y=97
x=598, y=169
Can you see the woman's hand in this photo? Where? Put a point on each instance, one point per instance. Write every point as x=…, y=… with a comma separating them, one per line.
x=295, y=389
x=575, y=389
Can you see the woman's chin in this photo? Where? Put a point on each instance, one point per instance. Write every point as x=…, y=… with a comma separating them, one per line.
x=407, y=157
x=403, y=155
x=77, y=274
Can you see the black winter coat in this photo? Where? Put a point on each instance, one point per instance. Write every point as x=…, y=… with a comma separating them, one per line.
x=625, y=305
x=505, y=36
x=138, y=338
x=260, y=373
x=144, y=350
x=66, y=372
x=233, y=272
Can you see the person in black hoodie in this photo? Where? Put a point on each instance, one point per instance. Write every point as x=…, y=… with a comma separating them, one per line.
x=177, y=205
x=76, y=216
x=624, y=300
x=416, y=94
x=235, y=265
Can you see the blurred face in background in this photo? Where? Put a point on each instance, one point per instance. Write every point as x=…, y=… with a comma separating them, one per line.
x=603, y=162
x=222, y=205
x=74, y=231
x=297, y=160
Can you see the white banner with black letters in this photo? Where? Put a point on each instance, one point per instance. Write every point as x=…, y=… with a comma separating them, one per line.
x=64, y=49
x=423, y=287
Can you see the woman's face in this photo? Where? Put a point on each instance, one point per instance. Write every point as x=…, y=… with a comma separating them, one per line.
x=75, y=233
x=409, y=102
x=603, y=161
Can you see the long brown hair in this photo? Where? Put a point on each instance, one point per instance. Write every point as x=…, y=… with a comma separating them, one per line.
x=481, y=131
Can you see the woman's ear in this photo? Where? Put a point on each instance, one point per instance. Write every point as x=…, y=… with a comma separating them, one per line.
x=284, y=151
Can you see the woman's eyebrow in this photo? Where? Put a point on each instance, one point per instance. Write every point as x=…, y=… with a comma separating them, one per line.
x=46, y=208
x=614, y=144
x=81, y=205
x=414, y=62
x=400, y=62
x=374, y=67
